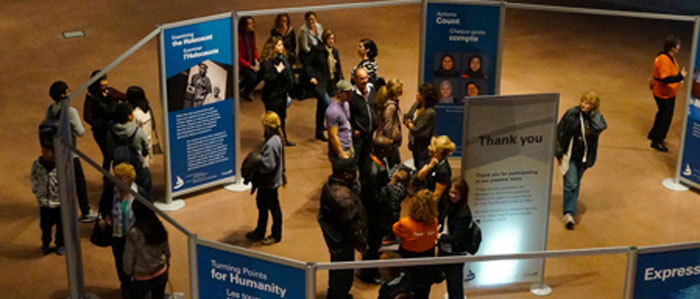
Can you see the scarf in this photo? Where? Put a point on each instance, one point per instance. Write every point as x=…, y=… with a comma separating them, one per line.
x=122, y=216
x=331, y=62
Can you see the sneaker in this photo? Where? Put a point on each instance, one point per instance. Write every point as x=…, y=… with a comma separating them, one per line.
x=470, y=276
x=270, y=240
x=253, y=236
x=60, y=250
x=289, y=143
x=90, y=217
x=659, y=146
x=569, y=221
x=45, y=249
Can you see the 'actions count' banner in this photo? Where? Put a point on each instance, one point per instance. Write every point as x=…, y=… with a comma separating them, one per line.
x=461, y=59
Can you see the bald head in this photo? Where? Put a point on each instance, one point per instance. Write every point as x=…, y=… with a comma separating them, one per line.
x=361, y=78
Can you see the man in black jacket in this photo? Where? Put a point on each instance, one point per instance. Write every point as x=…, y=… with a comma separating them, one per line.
x=363, y=116
x=343, y=221
x=375, y=179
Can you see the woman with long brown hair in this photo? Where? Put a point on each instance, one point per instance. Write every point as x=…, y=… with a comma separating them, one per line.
x=277, y=74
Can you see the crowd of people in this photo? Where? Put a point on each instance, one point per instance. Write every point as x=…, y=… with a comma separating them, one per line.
x=124, y=129
x=361, y=203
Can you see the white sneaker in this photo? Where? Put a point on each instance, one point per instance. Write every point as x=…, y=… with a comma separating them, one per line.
x=569, y=221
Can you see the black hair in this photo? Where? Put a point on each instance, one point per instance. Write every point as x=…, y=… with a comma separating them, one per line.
x=96, y=87
x=243, y=26
x=472, y=82
x=478, y=73
x=671, y=42
x=279, y=17
x=137, y=98
x=122, y=113
x=148, y=223
x=429, y=93
x=371, y=46
x=57, y=90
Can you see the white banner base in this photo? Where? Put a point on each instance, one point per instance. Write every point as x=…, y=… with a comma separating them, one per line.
x=447, y=296
x=174, y=205
x=671, y=184
x=540, y=289
x=238, y=187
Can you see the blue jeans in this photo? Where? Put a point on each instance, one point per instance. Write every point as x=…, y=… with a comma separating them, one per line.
x=572, y=185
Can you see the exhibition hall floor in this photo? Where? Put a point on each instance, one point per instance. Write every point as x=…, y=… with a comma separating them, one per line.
x=622, y=203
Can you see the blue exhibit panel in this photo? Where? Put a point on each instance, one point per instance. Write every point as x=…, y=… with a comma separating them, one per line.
x=668, y=275
x=227, y=275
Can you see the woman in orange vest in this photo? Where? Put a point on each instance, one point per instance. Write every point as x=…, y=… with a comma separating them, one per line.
x=664, y=85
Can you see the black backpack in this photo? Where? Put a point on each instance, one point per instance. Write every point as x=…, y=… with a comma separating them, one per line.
x=49, y=128
x=250, y=166
x=474, y=235
x=124, y=151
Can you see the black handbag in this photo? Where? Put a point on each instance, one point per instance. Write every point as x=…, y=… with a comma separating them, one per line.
x=101, y=236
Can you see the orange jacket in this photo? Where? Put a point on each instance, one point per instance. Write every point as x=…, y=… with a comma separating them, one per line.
x=664, y=67
x=416, y=236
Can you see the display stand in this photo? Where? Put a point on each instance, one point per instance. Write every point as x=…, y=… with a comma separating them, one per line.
x=173, y=205
x=540, y=289
x=238, y=186
x=672, y=184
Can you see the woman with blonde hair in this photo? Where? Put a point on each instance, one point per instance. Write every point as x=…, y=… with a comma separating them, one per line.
x=115, y=207
x=577, y=147
x=390, y=117
x=437, y=172
x=271, y=177
x=418, y=233
x=276, y=71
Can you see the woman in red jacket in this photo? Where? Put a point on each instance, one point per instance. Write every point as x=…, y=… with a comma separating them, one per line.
x=248, y=64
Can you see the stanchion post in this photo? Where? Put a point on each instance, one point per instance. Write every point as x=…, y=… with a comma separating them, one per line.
x=310, y=280
x=192, y=253
x=632, y=256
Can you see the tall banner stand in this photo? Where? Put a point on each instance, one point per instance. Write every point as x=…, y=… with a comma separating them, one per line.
x=197, y=88
x=687, y=167
x=238, y=185
x=170, y=204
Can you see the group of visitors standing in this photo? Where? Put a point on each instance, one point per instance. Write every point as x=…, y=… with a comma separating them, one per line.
x=312, y=70
x=123, y=128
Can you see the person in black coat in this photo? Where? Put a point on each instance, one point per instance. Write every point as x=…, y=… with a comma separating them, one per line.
x=343, y=223
x=277, y=74
x=363, y=116
x=454, y=235
x=322, y=66
x=372, y=184
x=577, y=147
x=284, y=29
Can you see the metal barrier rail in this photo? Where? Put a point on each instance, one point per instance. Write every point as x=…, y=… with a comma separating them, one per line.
x=121, y=185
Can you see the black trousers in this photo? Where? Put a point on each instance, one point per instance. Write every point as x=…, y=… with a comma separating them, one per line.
x=281, y=110
x=454, y=275
x=421, y=156
x=267, y=199
x=81, y=187
x=363, y=148
x=339, y=281
x=48, y=218
x=662, y=121
x=101, y=139
x=118, y=244
x=156, y=286
x=249, y=79
x=421, y=276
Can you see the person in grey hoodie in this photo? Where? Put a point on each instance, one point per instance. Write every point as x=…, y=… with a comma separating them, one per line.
x=124, y=131
x=272, y=177
x=59, y=91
